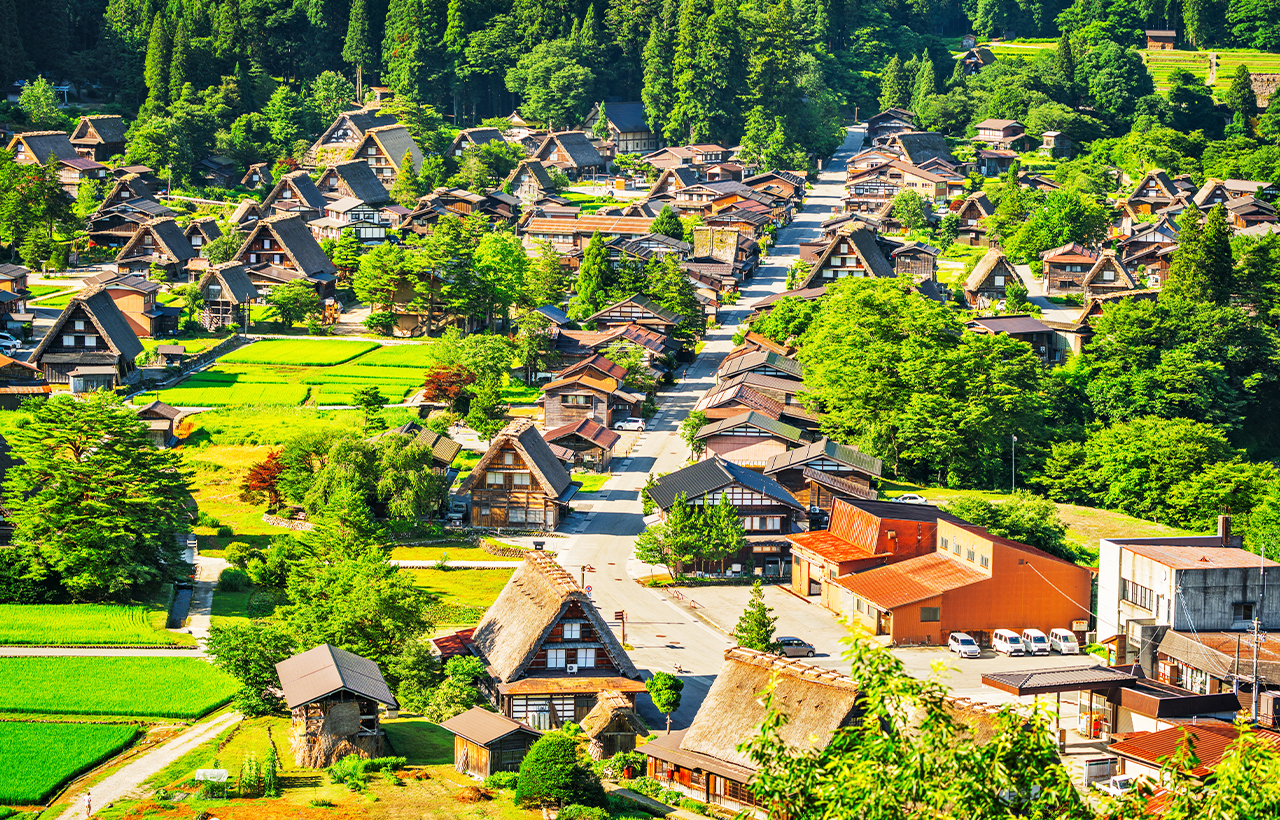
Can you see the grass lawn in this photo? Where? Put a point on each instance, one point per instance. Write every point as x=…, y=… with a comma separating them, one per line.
x=467, y=587
x=230, y=608
x=162, y=687
x=516, y=393
x=59, y=301
x=421, y=742
x=37, y=291
x=591, y=482
x=458, y=553
x=40, y=757
x=86, y=625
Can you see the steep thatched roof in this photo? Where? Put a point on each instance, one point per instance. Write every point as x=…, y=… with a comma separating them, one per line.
x=236, y=285
x=994, y=261
x=817, y=702
x=612, y=706
x=522, y=435
x=106, y=318
x=531, y=603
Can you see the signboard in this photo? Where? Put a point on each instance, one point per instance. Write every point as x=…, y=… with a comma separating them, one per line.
x=1079, y=626
x=619, y=615
x=212, y=775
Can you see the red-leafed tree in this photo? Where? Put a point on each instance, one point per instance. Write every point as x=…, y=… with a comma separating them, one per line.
x=262, y=481
x=445, y=382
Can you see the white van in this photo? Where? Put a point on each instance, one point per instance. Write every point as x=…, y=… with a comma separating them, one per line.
x=1063, y=641
x=963, y=645
x=1035, y=641
x=1008, y=642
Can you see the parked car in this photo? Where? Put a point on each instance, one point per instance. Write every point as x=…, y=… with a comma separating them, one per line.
x=796, y=648
x=1007, y=642
x=457, y=511
x=911, y=498
x=1116, y=785
x=963, y=645
x=1063, y=641
x=629, y=424
x=1035, y=641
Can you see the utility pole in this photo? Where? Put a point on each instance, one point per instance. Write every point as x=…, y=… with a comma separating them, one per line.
x=1013, y=465
x=1258, y=637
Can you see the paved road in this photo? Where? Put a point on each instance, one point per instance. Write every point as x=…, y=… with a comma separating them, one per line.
x=603, y=537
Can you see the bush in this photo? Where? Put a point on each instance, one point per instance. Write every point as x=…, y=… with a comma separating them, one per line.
x=645, y=785
x=577, y=811
x=671, y=797
x=233, y=580
x=206, y=520
x=501, y=780
x=225, y=532
x=550, y=774
x=689, y=804
x=350, y=772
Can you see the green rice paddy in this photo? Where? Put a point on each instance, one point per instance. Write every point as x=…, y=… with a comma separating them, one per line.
x=85, y=625
x=40, y=757
x=184, y=688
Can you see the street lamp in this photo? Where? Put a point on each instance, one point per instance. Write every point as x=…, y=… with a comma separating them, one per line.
x=1013, y=465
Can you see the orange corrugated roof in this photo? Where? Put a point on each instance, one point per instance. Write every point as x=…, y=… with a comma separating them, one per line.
x=607, y=385
x=1210, y=742
x=825, y=545
x=915, y=579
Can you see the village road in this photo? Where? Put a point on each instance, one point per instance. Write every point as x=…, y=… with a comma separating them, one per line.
x=602, y=534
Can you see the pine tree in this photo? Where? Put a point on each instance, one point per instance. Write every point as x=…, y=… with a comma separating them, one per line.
x=1215, y=256
x=346, y=251
x=925, y=85
x=1185, y=269
x=1240, y=96
x=179, y=65
x=12, y=57
x=720, y=56
x=658, y=93
x=894, y=90
x=230, y=36
x=406, y=189
x=356, y=49
x=686, y=114
x=667, y=224
x=601, y=129
x=774, y=64
x=1065, y=59
x=755, y=626
x=159, y=49
x=594, y=278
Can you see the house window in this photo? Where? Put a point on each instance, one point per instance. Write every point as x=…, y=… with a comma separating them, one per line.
x=555, y=658
x=956, y=548
x=999, y=281
x=372, y=151
x=930, y=614
x=508, y=458
x=968, y=555
x=1136, y=594
x=985, y=561
x=79, y=325
x=1242, y=612
x=945, y=544
x=516, y=515
x=1108, y=276
x=494, y=479
x=521, y=479
x=534, y=517
x=266, y=244
x=578, y=400
x=860, y=606
x=68, y=341
x=586, y=657
x=572, y=632
x=484, y=511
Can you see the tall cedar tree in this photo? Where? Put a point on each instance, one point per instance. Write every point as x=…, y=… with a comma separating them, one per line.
x=925, y=84
x=407, y=187
x=1215, y=256
x=659, y=55
x=1240, y=96
x=159, y=51
x=180, y=62
x=756, y=624
x=667, y=224
x=594, y=278
x=601, y=128
x=100, y=505
x=1185, y=278
x=356, y=49
x=895, y=85
x=685, y=119
x=1065, y=60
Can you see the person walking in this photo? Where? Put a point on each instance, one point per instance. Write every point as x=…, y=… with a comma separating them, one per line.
x=88, y=805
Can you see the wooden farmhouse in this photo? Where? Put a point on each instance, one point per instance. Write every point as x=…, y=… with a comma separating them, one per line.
x=157, y=242
x=749, y=439
x=853, y=252
x=519, y=483
x=1066, y=267
x=89, y=346
x=628, y=130
x=986, y=283
x=354, y=179
x=136, y=297
x=638, y=309
x=584, y=395
x=258, y=175
x=200, y=232
x=227, y=292
x=704, y=762
x=530, y=181
x=100, y=137
x=889, y=122
x=612, y=726
x=384, y=148
x=917, y=260
x=763, y=362
x=340, y=139
x=782, y=389
x=723, y=403
x=973, y=211
x=45, y=147
x=1024, y=328
x=1154, y=191
x=485, y=743
x=548, y=650
x=295, y=194
x=280, y=249
x=571, y=152
x=160, y=419
x=469, y=137
x=129, y=203
x=590, y=443
x=1108, y=275
x=334, y=697
x=19, y=381
x=791, y=469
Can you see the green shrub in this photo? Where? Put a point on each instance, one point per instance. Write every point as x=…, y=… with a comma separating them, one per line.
x=671, y=797
x=577, y=811
x=550, y=775
x=689, y=804
x=350, y=772
x=233, y=580
x=238, y=554
x=645, y=785
x=225, y=532
x=501, y=780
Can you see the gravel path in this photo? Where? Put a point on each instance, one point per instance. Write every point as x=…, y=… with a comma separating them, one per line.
x=128, y=780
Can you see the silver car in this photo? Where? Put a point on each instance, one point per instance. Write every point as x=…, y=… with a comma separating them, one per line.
x=795, y=648
x=963, y=645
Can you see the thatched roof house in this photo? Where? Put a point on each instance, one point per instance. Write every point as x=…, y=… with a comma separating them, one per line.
x=985, y=285
x=612, y=725
x=519, y=482
x=548, y=650
x=817, y=701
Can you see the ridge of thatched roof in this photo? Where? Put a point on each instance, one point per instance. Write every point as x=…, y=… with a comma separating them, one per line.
x=529, y=606
x=986, y=266
x=301, y=184
x=611, y=704
x=237, y=286
x=361, y=181
x=817, y=702
x=42, y=144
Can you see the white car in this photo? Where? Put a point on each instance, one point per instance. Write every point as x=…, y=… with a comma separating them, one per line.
x=629, y=424
x=1035, y=642
x=911, y=498
x=1006, y=641
x=1117, y=785
x=1063, y=641
x=963, y=645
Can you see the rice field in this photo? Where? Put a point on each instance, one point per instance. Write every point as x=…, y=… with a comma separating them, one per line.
x=184, y=688
x=417, y=356
x=40, y=757
x=85, y=625
x=197, y=392
x=300, y=353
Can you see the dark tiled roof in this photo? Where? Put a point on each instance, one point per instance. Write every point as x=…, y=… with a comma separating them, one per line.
x=363, y=184
x=482, y=727
x=1010, y=324
x=1084, y=677
x=644, y=302
x=825, y=448
x=589, y=429
x=714, y=474
x=753, y=419
x=627, y=117
x=326, y=670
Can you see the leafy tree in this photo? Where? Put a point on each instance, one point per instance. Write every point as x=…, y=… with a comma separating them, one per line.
x=180, y=61
x=289, y=116
x=407, y=187
x=347, y=251
x=1023, y=517
x=39, y=102
x=756, y=624
x=667, y=223
x=263, y=481
x=100, y=505
x=1190, y=102
x=544, y=282
x=1066, y=215
x=159, y=49
x=382, y=272
x=673, y=541
x=1015, y=296
x=672, y=288
x=192, y=298
x=356, y=48
x=487, y=414
x=787, y=321
x=455, y=694
x=689, y=428
x=371, y=401
x=446, y=382
x=601, y=128
x=292, y=302
x=665, y=688
x=948, y=230
x=659, y=54
x=554, y=84
x=911, y=210
x=594, y=275
x=551, y=775
x=926, y=83
x=249, y=653
x=331, y=94
x=1116, y=79
x=224, y=248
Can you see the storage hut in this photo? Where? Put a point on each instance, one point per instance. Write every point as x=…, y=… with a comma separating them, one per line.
x=334, y=697
x=613, y=725
x=485, y=742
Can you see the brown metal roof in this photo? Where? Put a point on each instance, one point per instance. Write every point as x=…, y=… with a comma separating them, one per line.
x=1210, y=741
x=916, y=579
x=1010, y=324
x=1199, y=557
x=483, y=727
x=1048, y=681
x=325, y=670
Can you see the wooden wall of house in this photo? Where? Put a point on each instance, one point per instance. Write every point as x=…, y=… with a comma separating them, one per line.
x=491, y=503
x=558, y=414
x=605, y=666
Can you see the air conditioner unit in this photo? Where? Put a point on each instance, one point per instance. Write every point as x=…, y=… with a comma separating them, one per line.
x=572, y=668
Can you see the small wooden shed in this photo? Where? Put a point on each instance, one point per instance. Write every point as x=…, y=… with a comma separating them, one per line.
x=612, y=725
x=334, y=696
x=171, y=355
x=485, y=742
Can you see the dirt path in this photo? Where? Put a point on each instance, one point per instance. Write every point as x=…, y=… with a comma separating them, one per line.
x=125, y=782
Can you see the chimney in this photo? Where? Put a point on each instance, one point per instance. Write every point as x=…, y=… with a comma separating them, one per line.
x=1224, y=530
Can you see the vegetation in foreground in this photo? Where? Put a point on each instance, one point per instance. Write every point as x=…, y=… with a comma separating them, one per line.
x=86, y=625
x=184, y=688
x=40, y=757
